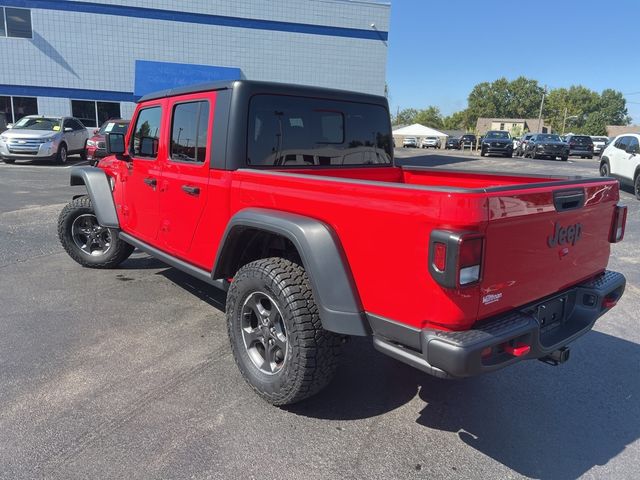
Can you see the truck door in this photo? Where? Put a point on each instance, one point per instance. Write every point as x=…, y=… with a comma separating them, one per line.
x=141, y=196
x=185, y=173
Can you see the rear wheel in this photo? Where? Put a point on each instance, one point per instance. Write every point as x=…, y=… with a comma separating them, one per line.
x=276, y=334
x=604, y=169
x=636, y=186
x=86, y=241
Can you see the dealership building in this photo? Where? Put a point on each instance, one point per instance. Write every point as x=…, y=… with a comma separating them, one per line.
x=94, y=60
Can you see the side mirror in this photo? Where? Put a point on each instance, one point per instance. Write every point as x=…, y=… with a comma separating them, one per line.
x=9, y=125
x=115, y=144
x=148, y=146
x=68, y=129
x=95, y=131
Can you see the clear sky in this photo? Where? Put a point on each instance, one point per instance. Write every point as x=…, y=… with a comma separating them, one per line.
x=440, y=49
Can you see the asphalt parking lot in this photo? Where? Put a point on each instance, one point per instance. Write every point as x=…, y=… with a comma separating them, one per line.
x=127, y=373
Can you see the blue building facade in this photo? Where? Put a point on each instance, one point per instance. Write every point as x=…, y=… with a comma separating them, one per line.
x=93, y=60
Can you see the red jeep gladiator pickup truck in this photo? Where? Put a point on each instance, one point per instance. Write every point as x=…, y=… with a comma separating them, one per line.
x=288, y=197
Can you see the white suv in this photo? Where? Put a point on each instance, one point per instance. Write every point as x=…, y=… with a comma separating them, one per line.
x=621, y=159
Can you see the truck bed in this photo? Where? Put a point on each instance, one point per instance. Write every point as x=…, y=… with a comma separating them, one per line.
x=384, y=218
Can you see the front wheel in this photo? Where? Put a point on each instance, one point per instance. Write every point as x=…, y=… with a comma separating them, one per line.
x=564, y=159
x=276, y=334
x=61, y=157
x=86, y=241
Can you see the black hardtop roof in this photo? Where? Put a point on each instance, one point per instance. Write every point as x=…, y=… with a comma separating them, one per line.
x=257, y=87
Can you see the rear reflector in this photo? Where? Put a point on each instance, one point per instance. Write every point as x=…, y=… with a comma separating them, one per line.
x=619, y=223
x=518, y=350
x=440, y=256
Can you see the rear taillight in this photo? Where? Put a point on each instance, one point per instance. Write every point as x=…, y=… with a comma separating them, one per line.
x=469, y=260
x=618, y=224
x=455, y=258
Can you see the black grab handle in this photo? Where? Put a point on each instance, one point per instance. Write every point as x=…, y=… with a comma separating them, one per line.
x=565, y=200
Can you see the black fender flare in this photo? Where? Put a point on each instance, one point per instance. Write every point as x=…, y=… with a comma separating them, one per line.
x=322, y=257
x=99, y=190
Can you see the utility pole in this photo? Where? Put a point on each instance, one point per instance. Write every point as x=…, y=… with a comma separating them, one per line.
x=544, y=92
x=564, y=120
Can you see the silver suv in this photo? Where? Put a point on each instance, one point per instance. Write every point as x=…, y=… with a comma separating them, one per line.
x=43, y=138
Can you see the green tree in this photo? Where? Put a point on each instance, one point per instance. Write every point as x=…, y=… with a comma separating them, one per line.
x=457, y=121
x=614, y=107
x=595, y=124
x=519, y=98
x=406, y=116
x=430, y=117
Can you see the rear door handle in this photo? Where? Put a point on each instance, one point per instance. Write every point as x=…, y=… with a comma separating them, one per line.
x=191, y=190
x=152, y=182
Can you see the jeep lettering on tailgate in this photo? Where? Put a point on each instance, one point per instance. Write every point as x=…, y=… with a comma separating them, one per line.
x=565, y=235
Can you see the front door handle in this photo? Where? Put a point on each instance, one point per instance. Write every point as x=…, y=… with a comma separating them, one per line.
x=191, y=190
x=152, y=182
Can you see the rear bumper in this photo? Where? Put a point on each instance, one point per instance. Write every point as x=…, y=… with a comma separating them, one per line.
x=464, y=354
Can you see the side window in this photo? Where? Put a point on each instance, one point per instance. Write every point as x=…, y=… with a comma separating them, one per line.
x=76, y=125
x=146, y=135
x=189, y=128
x=622, y=143
x=633, y=145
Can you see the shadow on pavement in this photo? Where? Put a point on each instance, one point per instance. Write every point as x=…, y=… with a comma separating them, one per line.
x=546, y=423
x=540, y=421
x=72, y=160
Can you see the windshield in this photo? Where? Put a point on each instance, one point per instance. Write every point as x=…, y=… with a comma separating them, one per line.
x=497, y=135
x=40, y=123
x=113, y=127
x=549, y=138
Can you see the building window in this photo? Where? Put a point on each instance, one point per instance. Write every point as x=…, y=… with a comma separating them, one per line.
x=502, y=126
x=15, y=22
x=14, y=108
x=189, y=132
x=93, y=114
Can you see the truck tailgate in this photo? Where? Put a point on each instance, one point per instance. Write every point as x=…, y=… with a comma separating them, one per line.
x=543, y=240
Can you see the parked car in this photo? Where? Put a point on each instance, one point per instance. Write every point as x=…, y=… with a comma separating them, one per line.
x=496, y=142
x=580, y=145
x=410, y=142
x=522, y=144
x=514, y=266
x=452, y=144
x=43, y=138
x=621, y=160
x=96, y=148
x=546, y=145
x=599, y=144
x=468, y=141
x=430, y=142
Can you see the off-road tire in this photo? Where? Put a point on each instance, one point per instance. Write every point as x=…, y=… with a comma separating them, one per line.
x=118, y=251
x=312, y=353
x=63, y=154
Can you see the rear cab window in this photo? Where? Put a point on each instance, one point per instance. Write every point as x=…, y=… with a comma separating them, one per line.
x=287, y=131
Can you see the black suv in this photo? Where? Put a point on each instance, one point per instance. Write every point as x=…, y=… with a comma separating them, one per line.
x=546, y=145
x=453, y=144
x=580, y=145
x=468, y=140
x=497, y=142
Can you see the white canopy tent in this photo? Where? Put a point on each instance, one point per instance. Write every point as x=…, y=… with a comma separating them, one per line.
x=419, y=131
